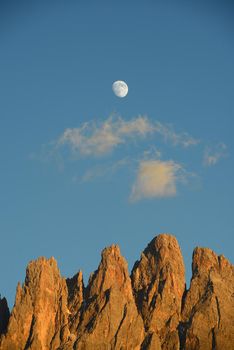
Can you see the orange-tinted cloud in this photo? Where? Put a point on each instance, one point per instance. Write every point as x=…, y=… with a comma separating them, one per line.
x=156, y=178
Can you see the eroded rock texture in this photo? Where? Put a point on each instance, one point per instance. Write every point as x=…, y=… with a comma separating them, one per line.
x=158, y=281
x=208, y=312
x=39, y=319
x=75, y=300
x=110, y=319
x=152, y=310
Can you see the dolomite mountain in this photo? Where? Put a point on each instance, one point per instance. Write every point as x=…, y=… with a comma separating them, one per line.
x=149, y=310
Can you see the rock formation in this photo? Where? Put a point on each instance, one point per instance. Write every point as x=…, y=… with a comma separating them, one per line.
x=4, y=315
x=158, y=281
x=39, y=319
x=208, y=312
x=151, y=310
x=110, y=319
x=75, y=300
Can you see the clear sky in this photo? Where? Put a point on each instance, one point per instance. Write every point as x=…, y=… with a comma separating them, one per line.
x=81, y=168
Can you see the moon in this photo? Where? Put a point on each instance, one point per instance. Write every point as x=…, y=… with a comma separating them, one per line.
x=120, y=88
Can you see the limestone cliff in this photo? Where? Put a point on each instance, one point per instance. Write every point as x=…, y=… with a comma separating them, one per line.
x=149, y=310
x=39, y=319
x=208, y=311
x=158, y=281
x=110, y=318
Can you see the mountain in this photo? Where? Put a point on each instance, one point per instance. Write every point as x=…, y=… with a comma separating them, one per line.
x=149, y=310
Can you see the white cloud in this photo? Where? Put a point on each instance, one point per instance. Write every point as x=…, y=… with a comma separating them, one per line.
x=98, y=139
x=168, y=133
x=138, y=126
x=213, y=155
x=156, y=178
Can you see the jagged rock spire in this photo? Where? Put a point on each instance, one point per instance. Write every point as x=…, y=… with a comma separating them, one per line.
x=152, y=310
x=158, y=281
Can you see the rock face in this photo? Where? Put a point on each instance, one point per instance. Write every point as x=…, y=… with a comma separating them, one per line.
x=110, y=319
x=158, y=281
x=151, y=310
x=208, y=312
x=39, y=319
x=75, y=300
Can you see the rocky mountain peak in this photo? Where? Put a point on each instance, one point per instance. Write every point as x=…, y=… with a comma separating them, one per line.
x=111, y=273
x=204, y=259
x=149, y=310
x=208, y=307
x=39, y=317
x=158, y=281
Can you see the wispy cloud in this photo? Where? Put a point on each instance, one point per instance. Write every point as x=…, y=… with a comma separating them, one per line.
x=103, y=170
x=212, y=155
x=168, y=133
x=98, y=139
x=156, y=178
x=151, y=153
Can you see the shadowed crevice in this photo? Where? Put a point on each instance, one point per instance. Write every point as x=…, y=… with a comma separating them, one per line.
x=4, y=315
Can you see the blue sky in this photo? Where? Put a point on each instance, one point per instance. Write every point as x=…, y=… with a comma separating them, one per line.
x=81, y=168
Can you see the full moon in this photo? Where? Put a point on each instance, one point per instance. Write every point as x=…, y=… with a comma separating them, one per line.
x=120, y=88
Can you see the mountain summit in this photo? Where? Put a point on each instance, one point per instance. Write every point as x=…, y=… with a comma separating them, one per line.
x=149, y=310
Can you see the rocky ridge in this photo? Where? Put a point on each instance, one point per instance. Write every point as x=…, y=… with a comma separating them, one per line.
x=149, y=310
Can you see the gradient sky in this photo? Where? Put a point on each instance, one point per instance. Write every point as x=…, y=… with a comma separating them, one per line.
x=63, y=198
